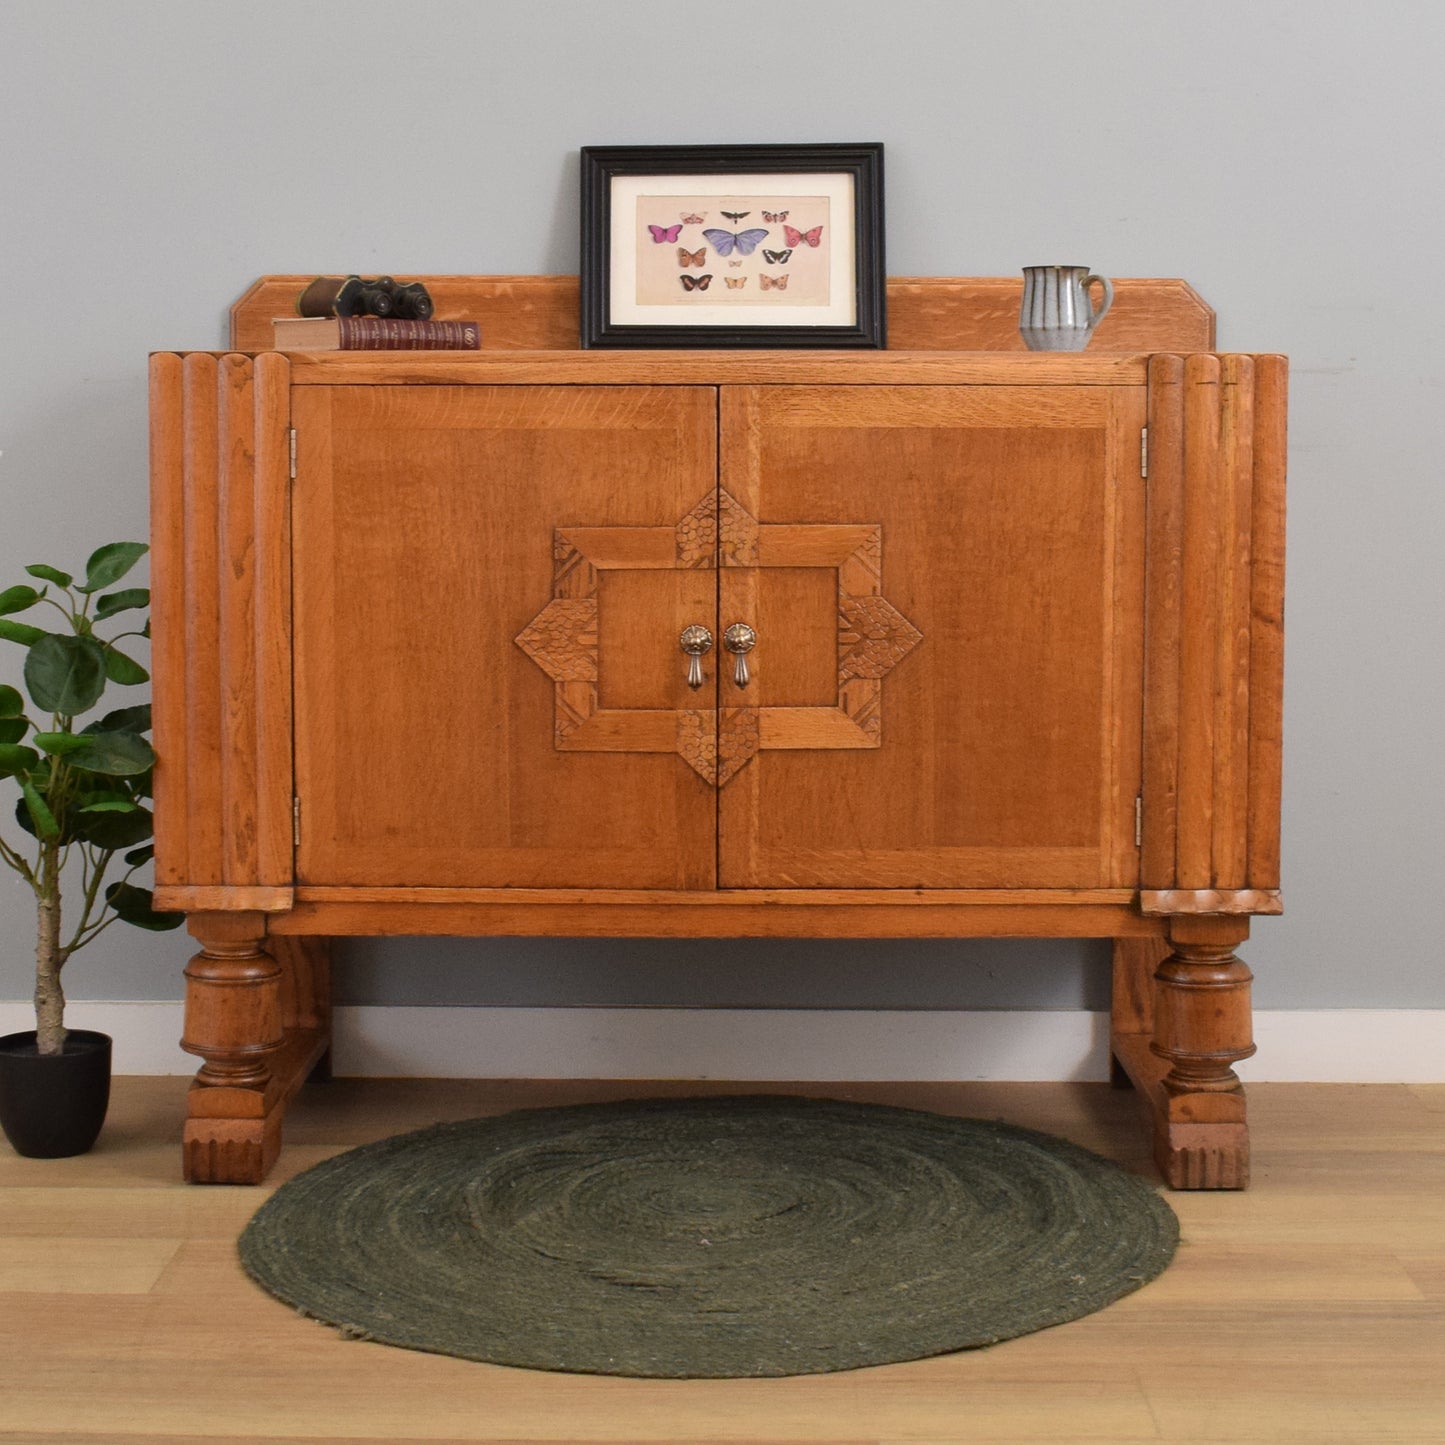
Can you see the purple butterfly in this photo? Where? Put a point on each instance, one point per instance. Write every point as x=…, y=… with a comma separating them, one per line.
x=662, y=235
x=745, y=241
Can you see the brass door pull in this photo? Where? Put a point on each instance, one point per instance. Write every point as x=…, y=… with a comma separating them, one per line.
x=695, y=641
x=740, y=639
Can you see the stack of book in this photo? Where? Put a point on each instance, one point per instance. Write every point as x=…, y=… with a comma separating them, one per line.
x=373, y=333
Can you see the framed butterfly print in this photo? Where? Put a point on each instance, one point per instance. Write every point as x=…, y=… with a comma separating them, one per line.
x=732, y=246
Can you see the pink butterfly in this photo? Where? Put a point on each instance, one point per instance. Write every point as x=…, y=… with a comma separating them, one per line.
x=693, y=219
x=776, y=215
x=666, y=234
x=795, y=237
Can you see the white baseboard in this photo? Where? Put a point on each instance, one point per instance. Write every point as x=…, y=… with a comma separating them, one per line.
x=1363, y=1046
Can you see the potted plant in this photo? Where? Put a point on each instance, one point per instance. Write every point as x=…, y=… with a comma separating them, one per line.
x=82, y=799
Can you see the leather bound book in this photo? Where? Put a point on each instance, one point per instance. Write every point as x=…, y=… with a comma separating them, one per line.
x=373, y=333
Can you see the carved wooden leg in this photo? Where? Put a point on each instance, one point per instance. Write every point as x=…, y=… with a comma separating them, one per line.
x=261, y=1020
x=233, y=1021
x=1202, y=1027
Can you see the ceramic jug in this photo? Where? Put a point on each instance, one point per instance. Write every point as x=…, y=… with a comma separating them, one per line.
x=1057, y=314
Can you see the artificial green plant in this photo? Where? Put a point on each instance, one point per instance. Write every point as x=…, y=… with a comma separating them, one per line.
x=83, y=789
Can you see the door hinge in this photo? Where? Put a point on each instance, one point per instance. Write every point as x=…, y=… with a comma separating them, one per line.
x=1139, y=821
x=1143, y=452
x=295, y=822
x=293, y=453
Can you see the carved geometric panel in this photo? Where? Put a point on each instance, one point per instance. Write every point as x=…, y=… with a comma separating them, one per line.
x=873, y=637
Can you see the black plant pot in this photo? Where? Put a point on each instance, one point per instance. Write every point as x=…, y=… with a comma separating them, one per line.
x=52, y=1105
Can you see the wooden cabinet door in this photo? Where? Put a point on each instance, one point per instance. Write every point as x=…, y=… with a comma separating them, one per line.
x=947, y=589
x=489, y=585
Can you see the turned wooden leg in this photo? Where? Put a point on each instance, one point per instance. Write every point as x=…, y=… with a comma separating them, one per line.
x=1202, y=1027
x=233, y=1021
x=258, y=1012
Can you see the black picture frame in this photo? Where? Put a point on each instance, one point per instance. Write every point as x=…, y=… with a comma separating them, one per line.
x=855, y=274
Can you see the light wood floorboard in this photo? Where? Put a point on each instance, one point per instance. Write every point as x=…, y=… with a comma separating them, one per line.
x=1310, y=1308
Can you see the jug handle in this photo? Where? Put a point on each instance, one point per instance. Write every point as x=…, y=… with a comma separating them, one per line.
x=1107, y=302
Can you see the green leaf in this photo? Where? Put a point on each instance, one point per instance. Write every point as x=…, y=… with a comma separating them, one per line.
x=110, y=563
x=66, y=675
x=137, y=856
x=17, y=599
x=21, y=632
x=22, y=816
x=12, y=729
x=11, y=703
x=40, y=815
x=58, y=745
x=124, y=719
x=15, y=759
x=123, y=601
x=116, y=755
x=136, y=905
x=122, y=669
x=107, y=829
x=51, y=574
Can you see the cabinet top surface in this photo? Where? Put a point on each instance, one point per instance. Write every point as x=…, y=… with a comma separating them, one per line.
x=652, y=368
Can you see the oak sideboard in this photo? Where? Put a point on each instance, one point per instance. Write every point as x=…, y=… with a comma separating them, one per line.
x=949, y=640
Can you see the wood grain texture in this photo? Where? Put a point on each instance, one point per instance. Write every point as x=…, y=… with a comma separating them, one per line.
x=221, y=621
x=540, y=313
x=1199, y=622
x=715, y=368
x=725, y=915
x=549, y=621
x=1266, y=637
x=976, y=535
x=200, y=621
x=1163, y=589
x=168, y=444
x=1213, y=659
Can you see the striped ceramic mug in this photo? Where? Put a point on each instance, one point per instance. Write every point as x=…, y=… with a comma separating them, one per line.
x=1057, y=314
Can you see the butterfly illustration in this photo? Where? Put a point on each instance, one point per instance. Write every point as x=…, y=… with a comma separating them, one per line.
x=695, y=283
x=691, y=258
x=772, y=283
x=777, y=258
x=776, y=215
x=745, y=241
x=662, y=234
x=693, y=219
x=802, y=238
x=736, y=283
x=735, y=263
x=736, y=215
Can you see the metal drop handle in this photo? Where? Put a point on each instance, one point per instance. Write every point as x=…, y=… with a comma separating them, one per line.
x=695, y=641
x=740, y=639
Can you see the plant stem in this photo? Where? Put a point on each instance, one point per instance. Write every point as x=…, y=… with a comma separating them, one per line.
x=49, y=996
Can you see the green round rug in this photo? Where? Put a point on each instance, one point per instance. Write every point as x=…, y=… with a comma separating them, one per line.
x=706, y=1238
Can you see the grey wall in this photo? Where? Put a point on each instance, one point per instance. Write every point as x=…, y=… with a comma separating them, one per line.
x=1284, y=157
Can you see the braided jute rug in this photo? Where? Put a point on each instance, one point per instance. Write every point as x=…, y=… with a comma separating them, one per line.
x=708, y=1238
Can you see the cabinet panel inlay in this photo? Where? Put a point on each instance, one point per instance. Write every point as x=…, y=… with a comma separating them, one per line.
x=873, y=636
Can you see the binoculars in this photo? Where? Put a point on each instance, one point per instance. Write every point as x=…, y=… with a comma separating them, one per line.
x=355, y=296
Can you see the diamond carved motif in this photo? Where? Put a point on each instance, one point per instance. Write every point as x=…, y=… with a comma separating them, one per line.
x=562, y=639
x=873, y=637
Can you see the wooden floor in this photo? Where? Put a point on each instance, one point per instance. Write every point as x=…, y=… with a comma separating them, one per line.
x=1311, y=1308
